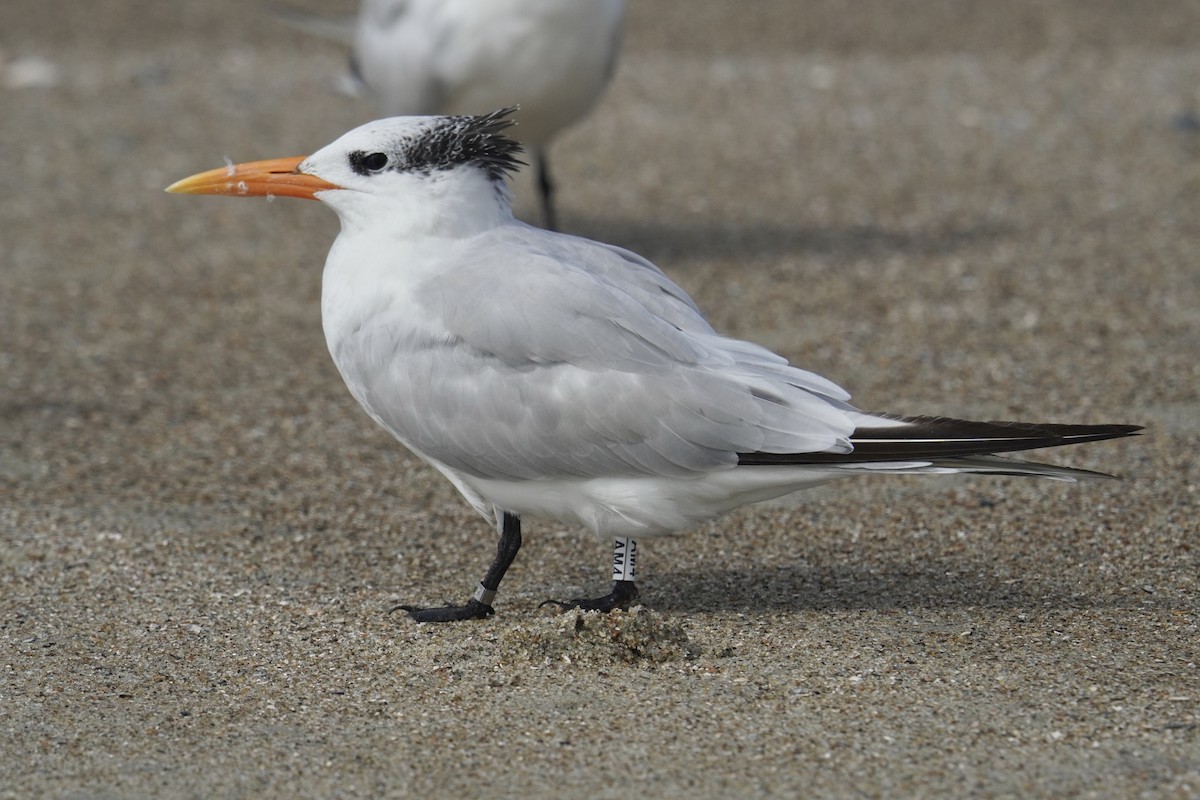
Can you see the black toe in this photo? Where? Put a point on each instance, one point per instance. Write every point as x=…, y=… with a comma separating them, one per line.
x=472, y=610
x=622, y=597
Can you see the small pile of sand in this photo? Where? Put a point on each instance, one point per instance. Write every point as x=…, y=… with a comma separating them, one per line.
x=637, y=635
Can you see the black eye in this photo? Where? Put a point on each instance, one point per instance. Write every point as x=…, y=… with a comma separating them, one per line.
x=375, y=161
x=365, y=163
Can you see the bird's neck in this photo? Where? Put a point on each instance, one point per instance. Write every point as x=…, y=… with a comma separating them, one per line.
x=451, y=206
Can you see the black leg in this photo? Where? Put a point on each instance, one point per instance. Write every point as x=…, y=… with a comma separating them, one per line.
x=480, y=605
x=622, y=596
x=546, y=190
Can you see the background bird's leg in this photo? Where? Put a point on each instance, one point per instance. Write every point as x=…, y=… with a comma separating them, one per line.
x=480, y=605
x=624, y=590
x=545, y=190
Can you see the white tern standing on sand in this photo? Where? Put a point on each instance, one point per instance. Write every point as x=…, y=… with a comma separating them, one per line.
x=552, y=375
x=552, y=58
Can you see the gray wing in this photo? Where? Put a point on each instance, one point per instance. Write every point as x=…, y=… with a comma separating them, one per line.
x=565, y=357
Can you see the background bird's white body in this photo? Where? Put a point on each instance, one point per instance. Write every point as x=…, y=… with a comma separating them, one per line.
x=550, y=57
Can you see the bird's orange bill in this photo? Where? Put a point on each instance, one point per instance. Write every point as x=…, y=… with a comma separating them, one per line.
x=276, y=177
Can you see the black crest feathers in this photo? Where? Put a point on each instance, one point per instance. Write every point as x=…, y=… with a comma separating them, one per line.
x=449, y=142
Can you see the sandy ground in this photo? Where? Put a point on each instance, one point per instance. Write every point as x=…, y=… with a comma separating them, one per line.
x=981, y=209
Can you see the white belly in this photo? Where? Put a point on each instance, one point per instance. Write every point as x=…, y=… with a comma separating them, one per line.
x=639, y=506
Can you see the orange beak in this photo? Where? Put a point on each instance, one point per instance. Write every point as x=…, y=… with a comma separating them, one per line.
x=277, y=177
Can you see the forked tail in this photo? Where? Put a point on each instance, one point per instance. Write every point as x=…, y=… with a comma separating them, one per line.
x=886, y=442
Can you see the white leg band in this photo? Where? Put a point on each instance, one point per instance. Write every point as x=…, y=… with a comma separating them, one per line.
x=484, y=595
x=624, y=559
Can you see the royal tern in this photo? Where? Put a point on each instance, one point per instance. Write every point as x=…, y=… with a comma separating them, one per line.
x=552, y=58
x=552, y=375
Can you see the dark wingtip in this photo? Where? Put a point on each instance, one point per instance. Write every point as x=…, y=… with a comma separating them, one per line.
x=945, y=437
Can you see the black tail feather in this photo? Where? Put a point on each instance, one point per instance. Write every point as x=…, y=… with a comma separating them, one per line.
x=944, y=437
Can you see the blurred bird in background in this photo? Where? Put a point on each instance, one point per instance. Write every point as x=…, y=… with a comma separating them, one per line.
x=551, y=58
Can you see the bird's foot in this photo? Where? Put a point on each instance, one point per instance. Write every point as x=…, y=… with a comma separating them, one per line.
x=472, y=610
x=622, y=596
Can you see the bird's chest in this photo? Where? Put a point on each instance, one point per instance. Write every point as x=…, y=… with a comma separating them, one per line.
x=375, y=321
x=373, y=335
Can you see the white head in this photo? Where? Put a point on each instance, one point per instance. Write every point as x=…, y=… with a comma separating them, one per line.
x=410, y=174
